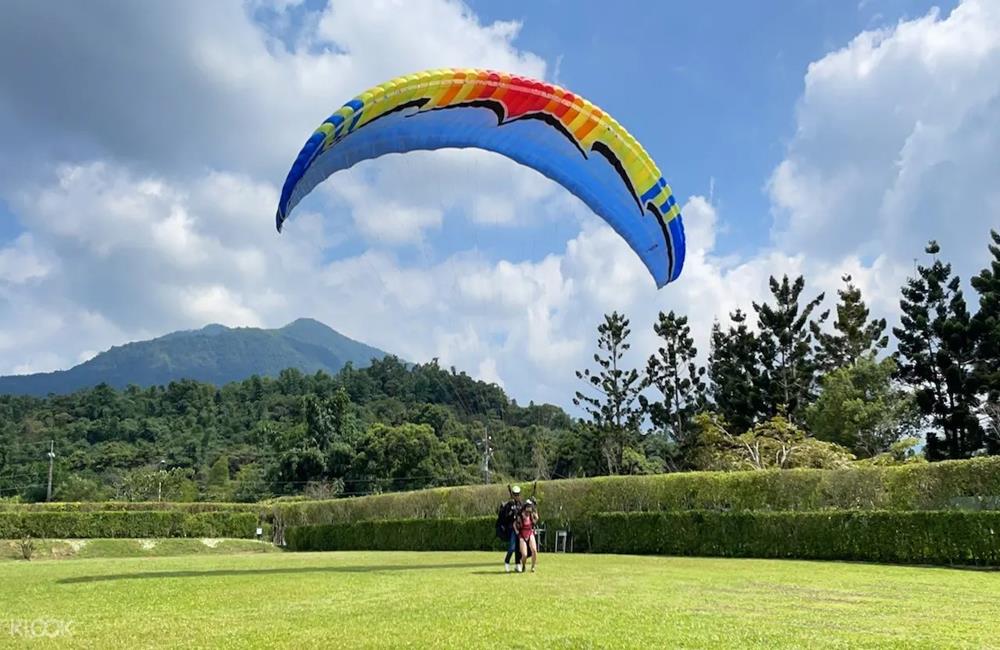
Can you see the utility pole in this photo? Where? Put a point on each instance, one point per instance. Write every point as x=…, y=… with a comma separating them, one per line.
x=159, y=481
x=52, y=458
x=487, y=453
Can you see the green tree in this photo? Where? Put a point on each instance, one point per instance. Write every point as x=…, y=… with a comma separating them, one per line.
x=855, y=335
x=734, y=373
x=217, y=484
x=775, y=443
x=78, y=488
x=901, y=452
x=250, y=484
x=936, y=356
x=788, y=367
x=218, y=474
x=615, y=410
x=678, y=379
x=860, y=408
x=986, y=331
x=147, y=484
x=409, y=457
x=299, y=466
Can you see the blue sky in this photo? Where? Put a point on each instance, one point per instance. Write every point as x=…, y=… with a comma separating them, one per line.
x=709, y=88
x=813, y=137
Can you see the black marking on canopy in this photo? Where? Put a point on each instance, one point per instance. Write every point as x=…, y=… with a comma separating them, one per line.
x=555, y=124
x=666, y=237
x=610, y=156
x=413, y=103
x=501, y=112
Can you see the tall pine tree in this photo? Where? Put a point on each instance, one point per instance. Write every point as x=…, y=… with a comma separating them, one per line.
x=615, y=409
x=679, y=380
x=856, y=336
x=986, y=325
x=937, y=354
x=734, y=373
x=788, y=367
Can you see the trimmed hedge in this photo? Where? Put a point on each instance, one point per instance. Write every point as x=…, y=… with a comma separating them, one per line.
x=931, y=486
x=129, y=506
x=475, y=534
x=874, y=536
x=139, y=523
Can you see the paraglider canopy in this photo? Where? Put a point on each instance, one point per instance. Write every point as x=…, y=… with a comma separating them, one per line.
x=536, y=124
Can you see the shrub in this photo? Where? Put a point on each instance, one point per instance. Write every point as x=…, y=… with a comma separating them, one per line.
x=475, y=534
x=876, y=536
x=128, y=506
x=140, y=523
x=27, y=547
x=894, y=537
x=932, y=486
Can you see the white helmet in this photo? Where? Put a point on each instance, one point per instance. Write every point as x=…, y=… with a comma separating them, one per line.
x=516, y=489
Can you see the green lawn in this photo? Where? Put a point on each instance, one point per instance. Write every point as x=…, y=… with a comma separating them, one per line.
x=461, y=600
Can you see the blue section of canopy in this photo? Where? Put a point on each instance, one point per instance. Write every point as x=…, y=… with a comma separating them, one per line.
x=530, y=142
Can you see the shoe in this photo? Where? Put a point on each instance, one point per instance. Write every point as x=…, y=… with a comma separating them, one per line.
x=532, y=569
x=520, y=568
x=506, y=567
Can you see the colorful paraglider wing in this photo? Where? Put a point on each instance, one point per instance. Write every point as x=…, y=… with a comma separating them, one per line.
x=539, y=125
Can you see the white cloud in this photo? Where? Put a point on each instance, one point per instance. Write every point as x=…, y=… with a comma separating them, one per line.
x=165, y=86
x=898, y=142
x=145, y=213
x=399, y=198
x=21, y=262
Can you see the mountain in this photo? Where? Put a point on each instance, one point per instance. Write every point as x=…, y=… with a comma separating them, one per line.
x=214, y=354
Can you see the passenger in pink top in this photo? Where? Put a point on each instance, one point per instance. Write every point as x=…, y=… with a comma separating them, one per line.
x=525, y=527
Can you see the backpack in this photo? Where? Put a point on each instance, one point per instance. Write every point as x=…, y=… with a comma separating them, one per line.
x=501, y=524
x=505, y=518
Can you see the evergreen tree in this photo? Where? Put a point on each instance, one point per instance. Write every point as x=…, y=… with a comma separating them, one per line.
x=788, y=367
x=986, y=326
x=615, y=410
x=856, y=335
x=218, y=475
x=937, y=356
x=679, y=380
x=987, y=322
x=319, y=423
x=734, y=373
x=861, y=408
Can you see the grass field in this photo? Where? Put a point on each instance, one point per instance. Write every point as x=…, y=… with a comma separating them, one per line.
x=461, y=600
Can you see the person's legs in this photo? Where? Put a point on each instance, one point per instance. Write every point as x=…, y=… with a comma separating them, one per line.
x=533, y=544
x=524, y=552
x=512, y=548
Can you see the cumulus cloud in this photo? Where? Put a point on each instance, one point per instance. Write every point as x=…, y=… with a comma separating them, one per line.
x=147, y=192
x=21, y=262
x=184, y=87
x=898, y=142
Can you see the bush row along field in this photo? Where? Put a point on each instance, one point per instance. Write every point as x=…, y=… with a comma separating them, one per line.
x=111, y=506
x=138, y=523
x=61, y=549
x=969, y=484
x=961, y=538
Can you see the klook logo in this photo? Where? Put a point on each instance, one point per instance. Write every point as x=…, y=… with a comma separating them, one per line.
x=40, y=628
